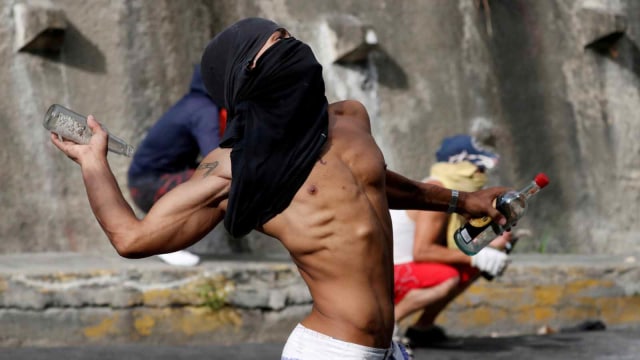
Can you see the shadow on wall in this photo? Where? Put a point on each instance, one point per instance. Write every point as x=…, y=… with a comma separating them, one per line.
x=78, y=52
x=626, y=46
x=390, y=74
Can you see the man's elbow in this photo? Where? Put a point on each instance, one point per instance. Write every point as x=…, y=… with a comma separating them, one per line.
x=130, y=254
x=127, y=247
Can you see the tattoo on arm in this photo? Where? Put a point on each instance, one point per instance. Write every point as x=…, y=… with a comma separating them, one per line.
x=209, y=167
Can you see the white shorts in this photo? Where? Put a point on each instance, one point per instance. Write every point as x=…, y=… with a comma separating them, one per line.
x=307, y=344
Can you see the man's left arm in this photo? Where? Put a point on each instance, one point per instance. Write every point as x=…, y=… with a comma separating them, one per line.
x=403, y=193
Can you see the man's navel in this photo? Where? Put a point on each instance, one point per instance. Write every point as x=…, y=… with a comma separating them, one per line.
x=312, y=189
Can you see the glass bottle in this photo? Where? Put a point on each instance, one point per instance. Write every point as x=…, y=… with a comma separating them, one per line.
x=72, y=126
x=478, y=233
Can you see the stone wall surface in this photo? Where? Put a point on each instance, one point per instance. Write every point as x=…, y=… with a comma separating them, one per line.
x=560, y=79
x=104, y=300
x=75, y=299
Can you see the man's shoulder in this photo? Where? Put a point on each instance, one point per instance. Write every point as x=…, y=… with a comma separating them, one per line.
x=351, y=112
x=349, y=107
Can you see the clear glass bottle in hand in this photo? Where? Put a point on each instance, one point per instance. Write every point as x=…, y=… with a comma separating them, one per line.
x=72, y=126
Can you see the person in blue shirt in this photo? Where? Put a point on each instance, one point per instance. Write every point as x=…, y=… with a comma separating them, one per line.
x=171, y=150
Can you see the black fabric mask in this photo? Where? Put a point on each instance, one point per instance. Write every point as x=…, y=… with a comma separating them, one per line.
x=278, y=120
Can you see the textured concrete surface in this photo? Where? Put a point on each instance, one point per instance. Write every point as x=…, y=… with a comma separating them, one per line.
x=77, y=299
x=555, y=291
x=560, y=79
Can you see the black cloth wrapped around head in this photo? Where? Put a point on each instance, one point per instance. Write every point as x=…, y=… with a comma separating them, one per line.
x=278, y=120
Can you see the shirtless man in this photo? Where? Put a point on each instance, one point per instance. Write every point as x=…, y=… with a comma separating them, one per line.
x=337, y=226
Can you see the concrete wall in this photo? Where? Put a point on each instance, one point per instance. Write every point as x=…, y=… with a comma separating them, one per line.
x=560, y=79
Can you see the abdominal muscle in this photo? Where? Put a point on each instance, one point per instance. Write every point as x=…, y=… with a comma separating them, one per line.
x=338, y=232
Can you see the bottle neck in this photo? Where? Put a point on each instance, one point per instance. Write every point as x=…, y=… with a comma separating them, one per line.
x=530, y=190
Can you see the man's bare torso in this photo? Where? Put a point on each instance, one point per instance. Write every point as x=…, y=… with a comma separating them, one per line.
x=338, y=231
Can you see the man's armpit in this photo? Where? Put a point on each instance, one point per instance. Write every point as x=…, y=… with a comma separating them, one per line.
x=208, y=167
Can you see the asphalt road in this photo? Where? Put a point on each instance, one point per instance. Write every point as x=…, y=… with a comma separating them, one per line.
x=618, y=344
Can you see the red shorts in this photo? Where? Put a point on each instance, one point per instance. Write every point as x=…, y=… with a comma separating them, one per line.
x=420, y=275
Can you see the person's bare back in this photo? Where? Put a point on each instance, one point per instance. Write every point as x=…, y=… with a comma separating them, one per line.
x=338, y=231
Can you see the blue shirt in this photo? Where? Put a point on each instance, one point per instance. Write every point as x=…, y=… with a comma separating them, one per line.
x=187, y=131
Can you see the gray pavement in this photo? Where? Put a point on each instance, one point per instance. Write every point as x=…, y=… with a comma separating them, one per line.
x=611, y=344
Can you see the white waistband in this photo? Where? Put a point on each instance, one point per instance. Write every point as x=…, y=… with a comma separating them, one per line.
x=307, y=344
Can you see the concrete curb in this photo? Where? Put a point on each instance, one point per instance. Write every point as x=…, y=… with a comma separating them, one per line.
x=57, y=299
x=549, y=292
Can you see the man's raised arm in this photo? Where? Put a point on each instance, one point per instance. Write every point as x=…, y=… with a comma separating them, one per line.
x=179, y=219
x=403, y=193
